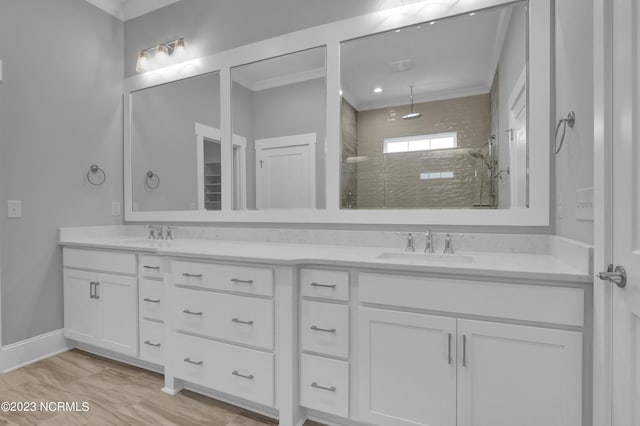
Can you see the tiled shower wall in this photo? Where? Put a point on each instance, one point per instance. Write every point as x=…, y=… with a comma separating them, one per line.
x=393, y=180
x=349, y=169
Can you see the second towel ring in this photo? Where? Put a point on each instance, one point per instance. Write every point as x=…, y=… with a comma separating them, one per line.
x=564, y=122
x=94, y=170
x=152, y=180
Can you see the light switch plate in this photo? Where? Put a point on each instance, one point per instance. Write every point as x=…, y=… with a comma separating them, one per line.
x=115, y=208
x=14, y=208
x=584, y=204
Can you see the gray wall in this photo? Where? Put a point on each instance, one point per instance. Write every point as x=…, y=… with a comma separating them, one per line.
x=574, y=92
x=163, y=140
x=60, y=112
x=211, y=26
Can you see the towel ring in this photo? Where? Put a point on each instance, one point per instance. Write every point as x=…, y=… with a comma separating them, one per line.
x=152, y=180
x=94, y=170
x=570, y=121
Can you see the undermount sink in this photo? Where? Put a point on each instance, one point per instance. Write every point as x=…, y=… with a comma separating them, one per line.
x=426, y=257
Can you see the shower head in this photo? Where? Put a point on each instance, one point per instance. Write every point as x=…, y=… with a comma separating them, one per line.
x=412, y=114
x=479, y=155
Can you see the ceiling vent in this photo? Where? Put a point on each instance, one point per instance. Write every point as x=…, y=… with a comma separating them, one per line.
x=400, y=66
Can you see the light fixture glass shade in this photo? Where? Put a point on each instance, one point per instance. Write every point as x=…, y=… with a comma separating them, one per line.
x=162, y=54
x=142, y=65
x=180, y=49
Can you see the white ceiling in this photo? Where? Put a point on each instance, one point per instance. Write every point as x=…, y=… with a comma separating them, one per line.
x=451, y=58
x=129, y=9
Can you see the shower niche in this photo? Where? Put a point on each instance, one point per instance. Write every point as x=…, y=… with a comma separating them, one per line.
x=437, y=125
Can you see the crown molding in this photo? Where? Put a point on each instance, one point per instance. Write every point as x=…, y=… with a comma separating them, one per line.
x=129, y=9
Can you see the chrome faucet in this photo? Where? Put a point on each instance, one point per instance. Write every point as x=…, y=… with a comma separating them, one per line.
x=409, y=236
x=155, y=232
x=169, y=232
x=448, y=247
x=428, y=245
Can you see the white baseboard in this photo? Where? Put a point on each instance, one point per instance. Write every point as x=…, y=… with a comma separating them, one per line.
x=31, y=350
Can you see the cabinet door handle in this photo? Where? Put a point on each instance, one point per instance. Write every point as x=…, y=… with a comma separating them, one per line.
x=151, y=267
x=187, y=311
x=317, y=386
x=155, y=345
x=96, y=295
x=92, y=290
x=185, y=274
x=449, y=355
x=237, y=373
x=326, y=330
x=146, y=299
x=315, y=284
x=464, y=350
x=236, y=320
x=239, y=281
x=190, y=361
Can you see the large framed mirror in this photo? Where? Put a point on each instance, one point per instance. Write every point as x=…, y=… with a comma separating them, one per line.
x=279, y=104
x=478, y=72
x=434, y=115
x=175, y=145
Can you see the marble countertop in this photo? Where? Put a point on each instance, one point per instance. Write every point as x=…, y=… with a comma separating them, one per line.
x=469, y=264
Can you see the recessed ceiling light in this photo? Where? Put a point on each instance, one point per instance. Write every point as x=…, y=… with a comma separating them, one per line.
x=377, y=90
x=340, y=92
x=432, y=23
x=472, y=14
x=397, y=31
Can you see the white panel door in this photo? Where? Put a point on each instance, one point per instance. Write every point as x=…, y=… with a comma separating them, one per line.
x=119, y=313
x=285, y=172
x=407, y=369
x=625, y=213
x=80, y=306
x=512, y=375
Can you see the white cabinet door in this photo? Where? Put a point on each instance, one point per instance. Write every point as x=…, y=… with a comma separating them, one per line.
x=407, y=368
x=515, y=375
x=80, y=307
x=101, y=310
x=119, y=314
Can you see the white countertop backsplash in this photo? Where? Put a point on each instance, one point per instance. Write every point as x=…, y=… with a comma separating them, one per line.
x=493, y=254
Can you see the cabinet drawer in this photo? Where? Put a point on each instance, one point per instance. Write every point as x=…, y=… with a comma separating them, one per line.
x=240, y=279
x=547, y=304
x=324, y=385
x=324, y=284
x=325, y=328
x=151, y=299
x=242, y=372
x=152, y=342
x=96, y=260
x=223, y=316
x=150, y=266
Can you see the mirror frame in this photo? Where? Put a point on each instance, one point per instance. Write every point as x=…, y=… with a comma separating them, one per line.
x=540, y=51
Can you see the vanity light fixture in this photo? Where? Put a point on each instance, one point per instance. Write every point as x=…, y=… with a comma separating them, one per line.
x=412, y=114
x=161, y=55
x=377, y=90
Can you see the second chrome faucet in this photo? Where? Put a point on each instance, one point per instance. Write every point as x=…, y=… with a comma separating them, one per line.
x=429, y=246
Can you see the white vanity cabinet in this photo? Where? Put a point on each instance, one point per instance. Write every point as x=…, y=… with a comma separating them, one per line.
x=222, y=328
x=417, y=368
x=151, y=308
x=324, y=340
x=100, y=299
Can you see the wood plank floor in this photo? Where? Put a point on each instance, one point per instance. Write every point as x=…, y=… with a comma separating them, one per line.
x=116, y=393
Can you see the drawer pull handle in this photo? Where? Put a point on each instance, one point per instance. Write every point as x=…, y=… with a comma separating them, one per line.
x=236, y=320
x=185, y=274
x=151, y=267
x=326, y=330
x=317, y=386
x=146, y=299
x=187, y=311
x=190, y=361
x=239, y=281
x=92, y=290
x=315, y=284
x=237, y=373
x=155, y=345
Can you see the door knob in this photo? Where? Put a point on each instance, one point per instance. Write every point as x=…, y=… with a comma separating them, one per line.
x=618, y=276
